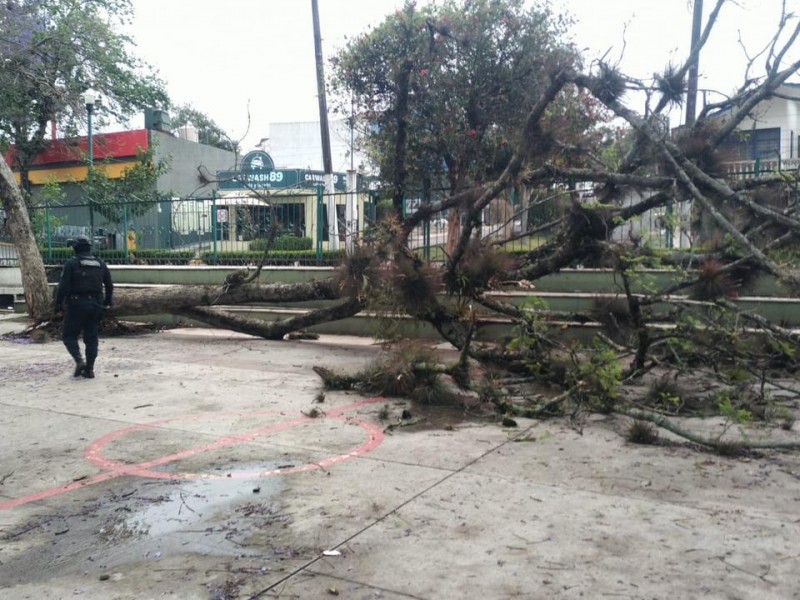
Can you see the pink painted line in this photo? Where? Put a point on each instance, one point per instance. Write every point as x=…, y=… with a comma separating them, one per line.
x=8, y=504
x=94, y=452
x=374, y=440
x=114, y=469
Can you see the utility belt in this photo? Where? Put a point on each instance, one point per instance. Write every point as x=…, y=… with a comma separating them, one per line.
x=96, y=296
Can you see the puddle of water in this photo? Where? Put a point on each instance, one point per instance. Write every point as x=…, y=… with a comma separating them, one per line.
x=192, y=505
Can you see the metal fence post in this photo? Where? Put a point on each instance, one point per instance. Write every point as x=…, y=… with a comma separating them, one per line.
x=373, y=207
x=320, y=224
x=426, y=229
x=214, y=222
x=125, y=229
x=49, y=233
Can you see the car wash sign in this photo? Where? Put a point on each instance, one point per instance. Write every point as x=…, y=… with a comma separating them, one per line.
x=258, y=172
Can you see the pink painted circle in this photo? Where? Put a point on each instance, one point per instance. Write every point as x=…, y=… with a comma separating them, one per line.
x=95, y=451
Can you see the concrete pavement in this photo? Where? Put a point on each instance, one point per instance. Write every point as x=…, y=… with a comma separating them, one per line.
x=195, y=466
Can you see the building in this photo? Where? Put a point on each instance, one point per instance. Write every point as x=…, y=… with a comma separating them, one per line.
x=257, y=197
x=766, y=142
x=300, y=145
x=769, y=139
x=65, y=162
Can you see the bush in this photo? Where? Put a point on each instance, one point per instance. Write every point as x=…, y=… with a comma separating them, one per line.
x=111, y=257
x=58, y=256
x=283, y=242
x=159, y=257
x=285, y=257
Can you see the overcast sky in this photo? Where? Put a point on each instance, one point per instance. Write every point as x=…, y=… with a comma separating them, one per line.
x=228, y=57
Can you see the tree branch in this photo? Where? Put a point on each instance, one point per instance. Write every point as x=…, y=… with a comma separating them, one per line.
x=271, y=330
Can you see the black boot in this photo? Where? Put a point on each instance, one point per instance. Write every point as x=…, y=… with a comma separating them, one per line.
x=80, y=368
x=88, y=371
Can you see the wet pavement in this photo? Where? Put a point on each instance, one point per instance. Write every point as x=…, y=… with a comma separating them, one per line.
x=199, y=465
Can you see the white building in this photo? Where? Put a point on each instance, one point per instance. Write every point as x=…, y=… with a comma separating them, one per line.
x=765, y=142
x=299, y=145
x=770, y=138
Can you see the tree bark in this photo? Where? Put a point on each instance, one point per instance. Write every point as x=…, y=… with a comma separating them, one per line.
x=177, y=299
x=272, y=330
x=34, y=279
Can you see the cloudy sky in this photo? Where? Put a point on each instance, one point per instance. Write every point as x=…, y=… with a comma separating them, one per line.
x=233, y=57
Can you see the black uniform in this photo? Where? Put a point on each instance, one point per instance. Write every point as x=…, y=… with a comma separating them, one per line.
x=86, y=286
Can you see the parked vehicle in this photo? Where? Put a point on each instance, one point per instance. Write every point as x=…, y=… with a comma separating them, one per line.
x=61, y=236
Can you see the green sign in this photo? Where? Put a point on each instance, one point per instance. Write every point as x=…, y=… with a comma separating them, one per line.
x=277, y=179
x=257, y=160
x=315, y=179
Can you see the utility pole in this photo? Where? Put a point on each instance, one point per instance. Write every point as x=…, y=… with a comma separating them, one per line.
x=327, y=163
x=691, y=106
x=351, y=208
x=691, y=84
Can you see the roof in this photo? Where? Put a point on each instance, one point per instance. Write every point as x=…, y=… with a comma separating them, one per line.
x=105, y=146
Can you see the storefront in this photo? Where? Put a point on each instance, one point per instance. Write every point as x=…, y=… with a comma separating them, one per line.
x=257, y=198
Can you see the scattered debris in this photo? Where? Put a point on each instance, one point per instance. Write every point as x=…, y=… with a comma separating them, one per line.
x=641, y=432
x=227, y=591
x=314, y=413
x=408, y=423
x=302, y=335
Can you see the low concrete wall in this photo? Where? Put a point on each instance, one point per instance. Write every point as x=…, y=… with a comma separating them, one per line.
x=11, y=291
x=10, y=277
x=575, y=291
x=208, y=275
x=570, y=281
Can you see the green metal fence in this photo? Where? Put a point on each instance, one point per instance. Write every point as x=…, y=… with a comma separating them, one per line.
x=225, y=230
x=517, y=224
x=181, y=231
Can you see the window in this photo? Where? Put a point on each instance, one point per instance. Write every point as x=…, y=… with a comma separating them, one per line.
x=766, y=143
x=753, y=145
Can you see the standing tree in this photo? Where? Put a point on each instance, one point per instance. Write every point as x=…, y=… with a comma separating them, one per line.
x=442, y=90
x=134, y=192
x=208, y=131
x=52, y=52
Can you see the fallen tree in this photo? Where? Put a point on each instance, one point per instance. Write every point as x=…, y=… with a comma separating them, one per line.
x=536, y=128
x=746, y=356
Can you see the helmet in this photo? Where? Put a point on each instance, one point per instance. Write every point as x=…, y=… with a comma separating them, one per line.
x=81, y=242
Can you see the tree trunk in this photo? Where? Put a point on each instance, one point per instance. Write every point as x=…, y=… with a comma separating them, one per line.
x=34, y=278
x=272, y=330
x=176, y=299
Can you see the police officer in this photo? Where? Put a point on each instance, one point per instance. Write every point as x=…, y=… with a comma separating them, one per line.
x=82, y=285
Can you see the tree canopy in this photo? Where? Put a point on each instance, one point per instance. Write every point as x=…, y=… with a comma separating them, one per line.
x=440, y=90
x=209, y=132
x=53, y=51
